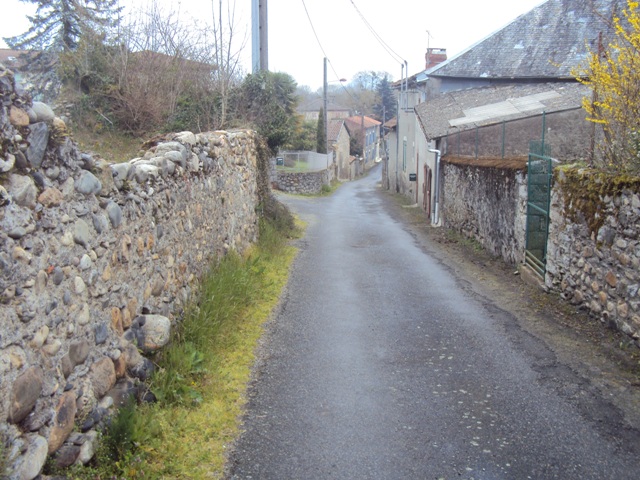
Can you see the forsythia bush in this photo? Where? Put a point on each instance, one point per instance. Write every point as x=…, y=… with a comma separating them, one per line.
x=613, y=73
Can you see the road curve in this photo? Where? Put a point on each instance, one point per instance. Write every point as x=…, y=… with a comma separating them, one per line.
x=382, y=364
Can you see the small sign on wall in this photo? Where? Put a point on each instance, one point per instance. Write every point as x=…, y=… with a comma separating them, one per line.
x=413, y=177
x=279, y=161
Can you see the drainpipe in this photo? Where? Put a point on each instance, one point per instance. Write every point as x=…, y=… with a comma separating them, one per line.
x=436, y=217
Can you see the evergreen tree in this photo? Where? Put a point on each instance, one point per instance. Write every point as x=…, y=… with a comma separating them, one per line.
x=386, y=107
x=321, y=136
x=267, y=101
x=58, y=25
x=304, y=137
x=57, y=28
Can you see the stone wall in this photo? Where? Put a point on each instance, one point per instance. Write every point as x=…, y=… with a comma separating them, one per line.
x=593, y=251
x=96, y=264
x=487, y=203
x=307, y=182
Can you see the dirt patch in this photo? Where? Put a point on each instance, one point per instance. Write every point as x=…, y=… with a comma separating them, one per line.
x=604, y=361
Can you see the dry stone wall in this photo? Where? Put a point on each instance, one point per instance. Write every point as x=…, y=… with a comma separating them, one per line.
x=96, y=263
x=593, y=250
x=306, y=182
x=487, y=204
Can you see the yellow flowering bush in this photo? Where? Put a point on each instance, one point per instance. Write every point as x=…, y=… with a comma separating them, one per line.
x=613, y=73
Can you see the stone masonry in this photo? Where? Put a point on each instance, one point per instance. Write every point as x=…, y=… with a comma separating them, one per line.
x=597, y=268
x=96, y=263
x=487, y=203
x=305, y=182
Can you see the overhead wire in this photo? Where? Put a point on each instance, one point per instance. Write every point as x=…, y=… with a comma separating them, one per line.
x=313, y=29
x=322, y=48
x=392, y=53
x=398, y=58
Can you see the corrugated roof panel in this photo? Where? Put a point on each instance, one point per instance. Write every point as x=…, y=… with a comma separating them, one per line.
x=461, y=109
x=511, y=106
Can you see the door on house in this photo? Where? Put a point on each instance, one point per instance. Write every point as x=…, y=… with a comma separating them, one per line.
x=539, y=174
x=426, y=191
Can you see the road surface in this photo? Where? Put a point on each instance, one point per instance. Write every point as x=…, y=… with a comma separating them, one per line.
x=384, y=362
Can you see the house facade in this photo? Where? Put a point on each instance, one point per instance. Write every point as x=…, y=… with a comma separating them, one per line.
x=310, y=111
x=366, y=132
x=340, y=142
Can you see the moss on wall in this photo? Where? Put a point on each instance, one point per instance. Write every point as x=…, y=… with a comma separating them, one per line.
x=587, y=193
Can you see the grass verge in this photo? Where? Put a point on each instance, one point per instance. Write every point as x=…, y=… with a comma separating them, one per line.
x=203, y=373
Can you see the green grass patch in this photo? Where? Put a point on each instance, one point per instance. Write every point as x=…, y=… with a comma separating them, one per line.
x=329, y=189
x=110, y=144
x=298, y=167
x=203, y=373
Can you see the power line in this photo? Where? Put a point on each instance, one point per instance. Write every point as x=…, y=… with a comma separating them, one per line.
x=341, y=85
x=313, y=28
x=322, y=48
x=384, y=45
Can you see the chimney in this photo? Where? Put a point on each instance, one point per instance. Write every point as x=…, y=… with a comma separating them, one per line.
x=435, y=56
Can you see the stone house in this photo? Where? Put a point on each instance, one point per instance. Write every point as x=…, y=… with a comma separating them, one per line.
x=507, y=79
x=340, y=142
x=366, y=133
x=310, y=111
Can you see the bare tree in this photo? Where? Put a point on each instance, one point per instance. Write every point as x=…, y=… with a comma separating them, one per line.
x=225, y=55
x=173, y=73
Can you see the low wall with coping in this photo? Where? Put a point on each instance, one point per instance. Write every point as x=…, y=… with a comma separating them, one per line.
x=303, y=182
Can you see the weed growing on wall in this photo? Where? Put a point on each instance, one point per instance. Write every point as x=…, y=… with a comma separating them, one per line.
x=584, y=192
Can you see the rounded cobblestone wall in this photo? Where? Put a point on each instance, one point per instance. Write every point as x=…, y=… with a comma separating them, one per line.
x=96, y=262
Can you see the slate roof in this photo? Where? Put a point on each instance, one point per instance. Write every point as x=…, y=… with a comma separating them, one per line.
x=547, y=42
x=467, y=109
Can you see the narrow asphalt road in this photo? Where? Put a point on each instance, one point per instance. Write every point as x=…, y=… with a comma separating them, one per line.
x=383, y=364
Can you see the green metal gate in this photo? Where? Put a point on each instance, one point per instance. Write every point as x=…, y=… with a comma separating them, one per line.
x=538, y=202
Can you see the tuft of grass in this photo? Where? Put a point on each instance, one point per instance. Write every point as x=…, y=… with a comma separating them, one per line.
x=203, y=374
x=329, y=189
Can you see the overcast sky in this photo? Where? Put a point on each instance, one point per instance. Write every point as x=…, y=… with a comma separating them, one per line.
x=405, y=27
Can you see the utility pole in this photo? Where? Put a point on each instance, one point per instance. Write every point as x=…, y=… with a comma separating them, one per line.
x=364, y=147
x=326, y=116
x=259, y=36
